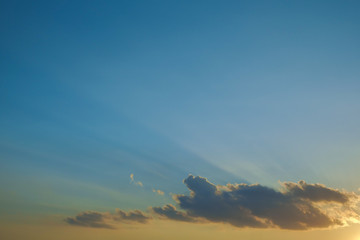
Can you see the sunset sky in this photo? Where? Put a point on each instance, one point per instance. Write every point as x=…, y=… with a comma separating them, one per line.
x=167, y=119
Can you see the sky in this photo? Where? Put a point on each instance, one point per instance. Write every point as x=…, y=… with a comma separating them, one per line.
x=135, y=119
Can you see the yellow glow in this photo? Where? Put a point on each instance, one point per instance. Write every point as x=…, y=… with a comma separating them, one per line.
x=56, y=229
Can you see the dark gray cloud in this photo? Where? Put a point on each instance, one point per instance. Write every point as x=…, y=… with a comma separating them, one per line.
x=244, y=205
x=297, y=206
x=132, y=216
x=315, y=192
x=89, y=219
x=169, y=211
x=107, y=220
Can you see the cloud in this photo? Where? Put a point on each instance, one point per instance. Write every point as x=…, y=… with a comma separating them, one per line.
x=158, y=192
x=296, y=206
x=132, y=180
x=132, y=216
x=169, y=211
x=89, y=219
x=315, y=192
x=107, y=220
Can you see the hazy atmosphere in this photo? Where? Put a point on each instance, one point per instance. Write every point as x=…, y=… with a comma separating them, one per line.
x=172, y=119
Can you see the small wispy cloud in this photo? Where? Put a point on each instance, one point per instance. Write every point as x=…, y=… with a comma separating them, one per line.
x=158, y=192
x=132, y=180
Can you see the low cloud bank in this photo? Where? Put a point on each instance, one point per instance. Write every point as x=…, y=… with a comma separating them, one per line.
x=90, y=219
x=297, y=206
x=107, y=220
x=169, y=211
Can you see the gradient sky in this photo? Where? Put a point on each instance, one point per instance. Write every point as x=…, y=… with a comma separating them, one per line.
x=93, y=92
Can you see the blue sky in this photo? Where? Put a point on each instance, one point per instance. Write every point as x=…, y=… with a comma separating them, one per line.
x=236, y=91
